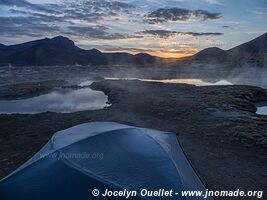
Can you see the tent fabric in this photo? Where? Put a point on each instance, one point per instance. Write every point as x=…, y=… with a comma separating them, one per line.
x=133, y=158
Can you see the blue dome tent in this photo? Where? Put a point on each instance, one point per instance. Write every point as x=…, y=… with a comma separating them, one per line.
x=103, y=155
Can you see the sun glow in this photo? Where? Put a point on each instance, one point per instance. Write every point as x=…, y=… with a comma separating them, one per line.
x=170, y=54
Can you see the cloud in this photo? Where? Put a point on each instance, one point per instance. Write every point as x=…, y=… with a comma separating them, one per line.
x=95, y=10
x=18, y=3
x=37, y=27
x=168, y=33
x=89, y=11
x=27, y=26
x=205, y=15
x=78, y=7
x=102, y=32
x=202, y=34
x=159, y=33
x=48, y=8
x=78, y=17
x=174, y=14
x=97, y=32
x=213, y=2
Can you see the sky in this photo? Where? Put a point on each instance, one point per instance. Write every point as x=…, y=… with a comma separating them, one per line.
x=165, y=28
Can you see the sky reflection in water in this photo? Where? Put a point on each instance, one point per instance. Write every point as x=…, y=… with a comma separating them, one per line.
x=61, y=101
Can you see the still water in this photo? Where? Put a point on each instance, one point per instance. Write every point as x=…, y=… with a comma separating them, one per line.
x=197, y=82
x=61, y=101
x=262, y=108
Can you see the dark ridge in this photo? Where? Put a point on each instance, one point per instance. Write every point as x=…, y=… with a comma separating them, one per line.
x=62, y=51
x=252, y=53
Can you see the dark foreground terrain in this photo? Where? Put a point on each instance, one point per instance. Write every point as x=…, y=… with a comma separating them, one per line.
x=219, y=131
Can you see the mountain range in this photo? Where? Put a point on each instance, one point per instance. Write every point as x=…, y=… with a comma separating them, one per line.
x=252, y=53
x=62, y=51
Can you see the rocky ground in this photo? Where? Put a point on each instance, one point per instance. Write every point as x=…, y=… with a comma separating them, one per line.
x=224, y=139
x=28, y=89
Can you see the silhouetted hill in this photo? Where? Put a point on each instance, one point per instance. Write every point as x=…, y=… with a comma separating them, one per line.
x=252, y=53
x=62, y=51
x=56, y=51
x=212, y=54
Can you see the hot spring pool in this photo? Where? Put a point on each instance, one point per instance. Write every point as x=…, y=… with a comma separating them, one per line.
x=60, y=101
x=262, y=108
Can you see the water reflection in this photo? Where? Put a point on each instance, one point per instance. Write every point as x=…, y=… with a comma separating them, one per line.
x=262, y=108
x=61, y=101
x=197, y=82
x=85, y=83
